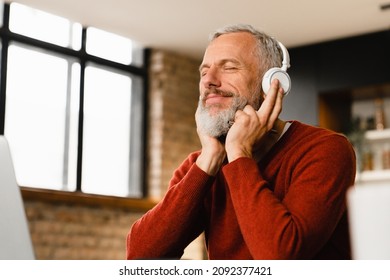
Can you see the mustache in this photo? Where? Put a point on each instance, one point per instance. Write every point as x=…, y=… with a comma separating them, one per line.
x=217, y=91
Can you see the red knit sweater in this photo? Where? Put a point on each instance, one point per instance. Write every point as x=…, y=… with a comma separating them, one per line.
x=290, y=205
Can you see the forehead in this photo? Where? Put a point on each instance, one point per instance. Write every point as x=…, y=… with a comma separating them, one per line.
x=240, y=46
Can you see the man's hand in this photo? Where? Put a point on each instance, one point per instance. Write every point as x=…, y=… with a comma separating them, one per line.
x=250, y=126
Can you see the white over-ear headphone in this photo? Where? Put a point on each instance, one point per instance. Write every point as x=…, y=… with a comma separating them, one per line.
x=278, y=73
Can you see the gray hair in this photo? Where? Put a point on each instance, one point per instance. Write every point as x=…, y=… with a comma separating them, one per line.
x=268, y=50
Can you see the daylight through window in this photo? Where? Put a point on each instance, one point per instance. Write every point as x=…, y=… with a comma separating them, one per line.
x=72, y=113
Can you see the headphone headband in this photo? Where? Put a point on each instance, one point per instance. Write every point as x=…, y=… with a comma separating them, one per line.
x=278, y=73
x=286, y=57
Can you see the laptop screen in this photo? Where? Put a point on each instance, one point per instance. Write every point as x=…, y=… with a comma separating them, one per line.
x=15, y=240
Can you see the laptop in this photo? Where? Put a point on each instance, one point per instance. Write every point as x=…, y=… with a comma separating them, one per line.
x=15, y=239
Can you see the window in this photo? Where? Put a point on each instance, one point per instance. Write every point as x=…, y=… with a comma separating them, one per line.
x=72, y=112
x=107, y=156
x=44, y=26
x=40, y=122
x=109, y=46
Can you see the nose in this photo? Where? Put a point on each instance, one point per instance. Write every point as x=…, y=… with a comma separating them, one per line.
x=211, y=78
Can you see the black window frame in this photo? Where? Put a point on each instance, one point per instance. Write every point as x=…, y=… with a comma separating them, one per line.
x=82, y=57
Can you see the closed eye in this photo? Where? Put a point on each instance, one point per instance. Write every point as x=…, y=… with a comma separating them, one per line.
x=230, y=65
x=203, y=73
x=203, y=70
x=230, y=68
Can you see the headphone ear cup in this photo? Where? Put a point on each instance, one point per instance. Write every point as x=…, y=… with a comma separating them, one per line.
x=276, y=73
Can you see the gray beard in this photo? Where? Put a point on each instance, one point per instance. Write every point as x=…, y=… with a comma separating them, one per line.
x=219, y=124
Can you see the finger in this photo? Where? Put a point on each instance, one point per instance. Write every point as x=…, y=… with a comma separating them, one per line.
x=238, y=114
x=242, y=117
x=270, y=98
x=267, y=110
x=268, y=104
x=277, y=108
x=248, y=109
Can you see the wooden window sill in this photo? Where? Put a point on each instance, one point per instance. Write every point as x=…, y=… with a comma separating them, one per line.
x=79, y=198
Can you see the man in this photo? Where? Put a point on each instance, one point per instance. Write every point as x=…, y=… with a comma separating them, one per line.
x=260, y=188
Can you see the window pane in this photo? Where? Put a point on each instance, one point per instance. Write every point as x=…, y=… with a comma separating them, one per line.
x=41, y=117
x=107, y=152
x=44, y=26
x=111, y=46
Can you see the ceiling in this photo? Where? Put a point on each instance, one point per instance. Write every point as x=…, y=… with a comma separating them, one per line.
x=183, y=26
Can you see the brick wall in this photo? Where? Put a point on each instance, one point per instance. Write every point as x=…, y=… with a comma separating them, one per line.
x=61, y=231
x=173, y=99
x=64, y=231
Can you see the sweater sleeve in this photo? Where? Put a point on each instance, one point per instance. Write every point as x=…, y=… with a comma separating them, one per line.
x=166, y=230
x=297, y=225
